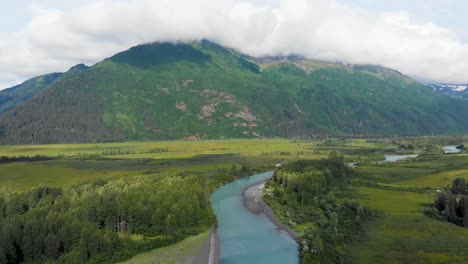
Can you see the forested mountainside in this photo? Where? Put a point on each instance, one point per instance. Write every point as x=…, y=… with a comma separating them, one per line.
x=16, y=95
x=203, y=90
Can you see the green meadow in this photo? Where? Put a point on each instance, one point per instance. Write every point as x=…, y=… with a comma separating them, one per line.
x=75, y=163
x=187, y=149
x=181, y=252
x=395, y=192
x=24, y=175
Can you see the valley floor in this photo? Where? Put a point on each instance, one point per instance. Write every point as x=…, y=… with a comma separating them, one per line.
x=401, y=233
x=396, y=192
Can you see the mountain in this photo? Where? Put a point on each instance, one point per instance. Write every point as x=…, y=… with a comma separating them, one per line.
x=203, y=90
x=452, y=90
x=11, y=97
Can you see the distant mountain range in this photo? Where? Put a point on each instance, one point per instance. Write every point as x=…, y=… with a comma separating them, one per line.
x=203, y=90
x=16, y=95
x=453, y=90
x=11, y=97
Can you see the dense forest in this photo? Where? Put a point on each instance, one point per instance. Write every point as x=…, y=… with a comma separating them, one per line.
x=101, y=221
x=305, y=195
x=451, y=204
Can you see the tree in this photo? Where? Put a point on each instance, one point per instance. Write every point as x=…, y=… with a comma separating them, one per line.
x=316, y=244
x=459, y=186
x=441, y=201
x=465, y=212
x=82, y=254
x=52, y=246
x=169, y=224
x=233, y=171
x=2, y=208
x=451, y=209
x=3, y=257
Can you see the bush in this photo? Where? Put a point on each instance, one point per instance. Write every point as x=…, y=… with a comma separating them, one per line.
x=451, y=204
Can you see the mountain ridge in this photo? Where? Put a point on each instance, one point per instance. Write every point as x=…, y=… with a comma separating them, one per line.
x=18, y=94
x=459, y=91
x=203, y=90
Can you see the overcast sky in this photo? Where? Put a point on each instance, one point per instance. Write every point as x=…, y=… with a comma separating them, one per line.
x=426, y=39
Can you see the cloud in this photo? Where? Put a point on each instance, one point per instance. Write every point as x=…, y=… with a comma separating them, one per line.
x=56, y=39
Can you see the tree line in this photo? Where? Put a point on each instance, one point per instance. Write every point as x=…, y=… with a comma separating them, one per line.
x=304, y=192
x=102, y=221
x=309, y=178
x=21, y=158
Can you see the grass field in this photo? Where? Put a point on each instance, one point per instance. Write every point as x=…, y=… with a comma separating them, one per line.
x=395, y=192
x=400, y=232
x=181, y=252
x=278, y=148
x=22, y=176
x=84, y=162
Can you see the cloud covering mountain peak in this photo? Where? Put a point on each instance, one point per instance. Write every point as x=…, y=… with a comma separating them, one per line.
x=55, y=39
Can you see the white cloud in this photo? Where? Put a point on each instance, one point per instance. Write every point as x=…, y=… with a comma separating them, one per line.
x=56, y=39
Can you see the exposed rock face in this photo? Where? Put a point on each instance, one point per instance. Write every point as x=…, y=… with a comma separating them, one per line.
x=181, y=106
x=215, y=101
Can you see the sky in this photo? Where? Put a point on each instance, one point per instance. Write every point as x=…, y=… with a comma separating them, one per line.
x=425, y=39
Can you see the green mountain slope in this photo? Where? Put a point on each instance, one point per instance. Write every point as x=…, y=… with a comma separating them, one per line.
x=11, y=97
x=202, y=90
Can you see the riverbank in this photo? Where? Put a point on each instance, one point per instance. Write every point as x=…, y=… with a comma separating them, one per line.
x=199, y=249
x=209, y=252
x=253, y=200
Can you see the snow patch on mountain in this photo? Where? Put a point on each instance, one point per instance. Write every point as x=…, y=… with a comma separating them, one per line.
x=453, y=90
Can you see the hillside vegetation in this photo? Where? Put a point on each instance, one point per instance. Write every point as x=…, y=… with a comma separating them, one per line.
x=202, y=90
x=14, y=96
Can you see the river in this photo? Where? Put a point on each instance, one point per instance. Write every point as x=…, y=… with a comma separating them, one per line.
x=245, y=237
x=451, y=150
x=395, y=158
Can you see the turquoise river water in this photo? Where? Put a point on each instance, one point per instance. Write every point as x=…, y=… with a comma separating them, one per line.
x=245, y=237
